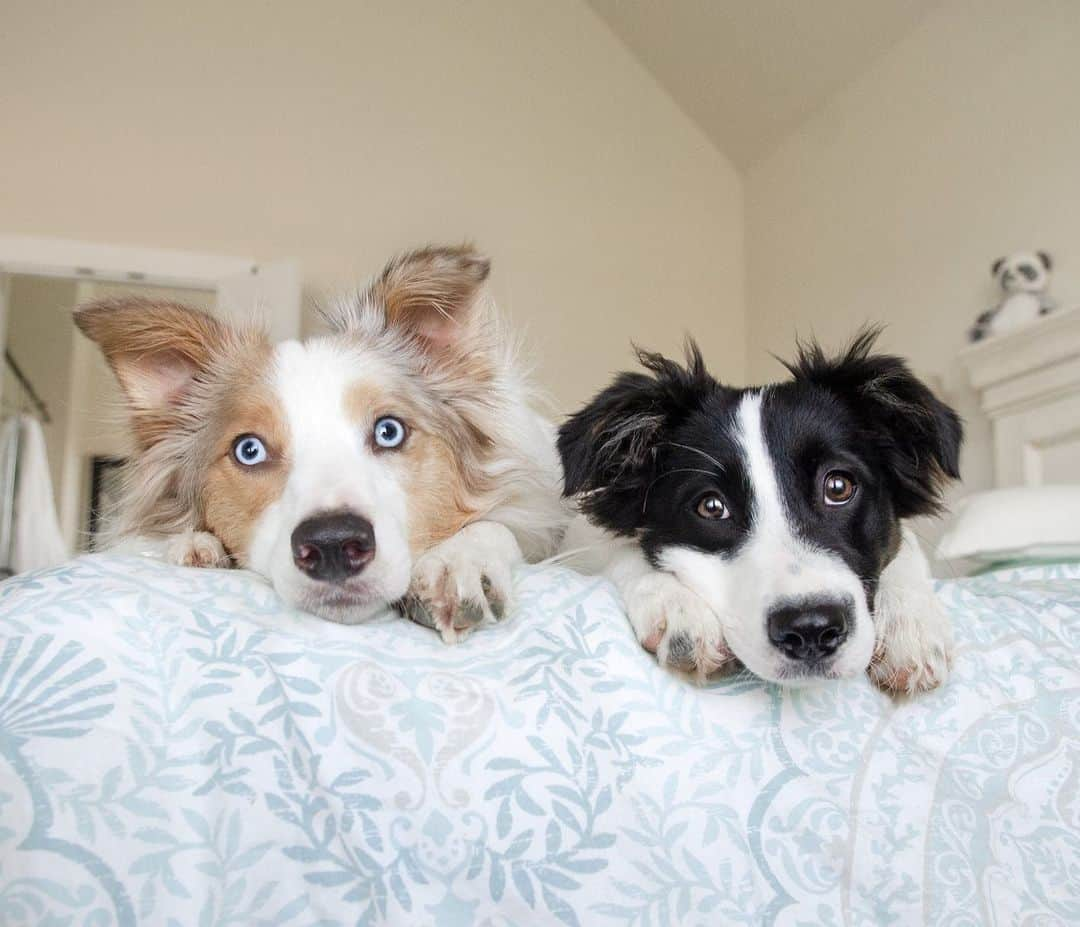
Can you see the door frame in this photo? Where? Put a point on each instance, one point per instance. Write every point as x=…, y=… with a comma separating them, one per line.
x=242, y=286
x=80, y=260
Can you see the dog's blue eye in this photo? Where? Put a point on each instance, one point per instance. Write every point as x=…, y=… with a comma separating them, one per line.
x=389, y=432
x=249, y=450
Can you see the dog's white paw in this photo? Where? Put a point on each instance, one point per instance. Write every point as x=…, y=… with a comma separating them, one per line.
x=197, y=549
x=464, y=581
x=910, y=673
x=913, y=649
x=677, y=625
x=914, y=643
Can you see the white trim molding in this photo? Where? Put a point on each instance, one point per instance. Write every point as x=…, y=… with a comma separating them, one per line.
x=57, y=257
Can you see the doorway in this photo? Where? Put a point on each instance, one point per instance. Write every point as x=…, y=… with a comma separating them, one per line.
x=55, y=380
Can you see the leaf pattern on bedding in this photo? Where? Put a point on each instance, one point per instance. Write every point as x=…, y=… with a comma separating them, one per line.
x=176, y=747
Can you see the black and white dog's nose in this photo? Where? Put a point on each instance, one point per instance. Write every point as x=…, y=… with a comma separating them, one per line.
x=334, y=546
x=809, y=631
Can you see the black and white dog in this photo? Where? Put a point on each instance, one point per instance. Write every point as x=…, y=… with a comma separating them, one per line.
x=764, y=526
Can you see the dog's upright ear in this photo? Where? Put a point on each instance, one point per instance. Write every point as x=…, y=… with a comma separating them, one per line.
x=432, y=294
x=608, y=448
x=917, y=434
x=157, y=350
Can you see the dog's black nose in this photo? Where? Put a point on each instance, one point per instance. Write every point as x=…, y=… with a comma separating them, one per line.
x=809, y=631
x=334, y=546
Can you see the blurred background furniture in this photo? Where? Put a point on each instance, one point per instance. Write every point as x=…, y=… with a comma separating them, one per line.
x=1028, y=382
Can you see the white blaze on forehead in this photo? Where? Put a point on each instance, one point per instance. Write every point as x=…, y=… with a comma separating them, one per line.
x=770, y=516
x=312, y=381
x=788, y=567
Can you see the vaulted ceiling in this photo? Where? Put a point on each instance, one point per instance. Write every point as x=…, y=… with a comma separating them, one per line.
x=750, y=71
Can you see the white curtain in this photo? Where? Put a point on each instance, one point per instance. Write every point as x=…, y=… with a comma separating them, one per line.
x=36, y=541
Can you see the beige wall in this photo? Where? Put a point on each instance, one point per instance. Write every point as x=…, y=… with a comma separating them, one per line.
x=262, y=129
x=961, y=144
x=339, y=133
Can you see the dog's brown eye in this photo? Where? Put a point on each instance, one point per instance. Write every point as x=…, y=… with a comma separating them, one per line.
x=839, y=487
x=712, y=506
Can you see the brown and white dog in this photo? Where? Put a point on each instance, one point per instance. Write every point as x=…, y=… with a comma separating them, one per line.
x=396, y=460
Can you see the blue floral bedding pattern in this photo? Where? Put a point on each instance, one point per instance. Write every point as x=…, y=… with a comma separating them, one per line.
x=177, y=748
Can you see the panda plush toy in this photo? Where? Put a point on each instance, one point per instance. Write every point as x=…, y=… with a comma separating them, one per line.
x=1023, y=277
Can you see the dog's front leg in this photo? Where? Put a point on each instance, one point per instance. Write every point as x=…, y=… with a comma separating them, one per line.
x=197, y=549
x=464, y=581
x=670, y=620
x=913, y=632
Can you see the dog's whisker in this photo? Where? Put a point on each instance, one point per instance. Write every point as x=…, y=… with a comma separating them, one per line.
x=949, y=565
x=648, y=489
x=696, y=450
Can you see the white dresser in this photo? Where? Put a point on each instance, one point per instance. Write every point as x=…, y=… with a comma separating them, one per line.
x=1029, y=386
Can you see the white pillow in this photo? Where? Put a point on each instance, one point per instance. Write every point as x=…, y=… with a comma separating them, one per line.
x=1025, y=523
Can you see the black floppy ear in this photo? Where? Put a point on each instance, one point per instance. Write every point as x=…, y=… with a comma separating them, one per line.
x=608, y=447
x=996, y=266
x=1045, y=258
x=917, y=435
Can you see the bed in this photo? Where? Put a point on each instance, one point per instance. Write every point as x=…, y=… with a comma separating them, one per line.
x=178, y=748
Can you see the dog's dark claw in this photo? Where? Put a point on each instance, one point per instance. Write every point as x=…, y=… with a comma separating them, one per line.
x=468, y=615
x=494, y=600
x=413, y=608
x=681, y=652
